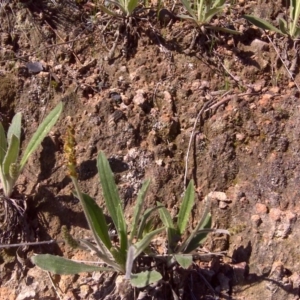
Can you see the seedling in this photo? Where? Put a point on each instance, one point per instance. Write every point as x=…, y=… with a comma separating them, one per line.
x=10, y=164
x=118, y=257
x=179, y=249
x=286, y=28
x=202, y=11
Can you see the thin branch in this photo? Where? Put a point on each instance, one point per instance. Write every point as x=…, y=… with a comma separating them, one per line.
x=287, y=69
x=29, y=244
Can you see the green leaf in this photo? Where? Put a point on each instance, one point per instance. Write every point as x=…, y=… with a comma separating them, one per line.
x=41, y=132
x=143, y=279
x=96, y=219
x=129, y=261
x=143, y=222
x=108, y=11
x=138, y=208
x=222, y=29
x=186, y=207
x=294, y=12
x=212, y=12
x=198, y=236
x=120, y=4
x=131, y=6
x=12, y=154
x=112, y=199
x=187, y=6
x=15, y=127
x=165, y=216
x=218, y=3
x=297, y=33
x=172, y=232
x=283, y=25
x=60, y=265
x=145, y=241
x=3, y=144
x=262, y=23
x=184, y=260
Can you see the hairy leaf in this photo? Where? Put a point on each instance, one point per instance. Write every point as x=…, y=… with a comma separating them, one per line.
x=112, y=199
x=43, y=129
x=263, y=24
x=60, y=265
x=138, y=208
x=143, y=279
x=186, y=207
x=184, y=260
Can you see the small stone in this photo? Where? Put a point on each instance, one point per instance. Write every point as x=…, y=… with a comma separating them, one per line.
x=291, y=84
x=84, y=291
x=223, y=205
x=256, y=220
x=261, y=208
x=292, y=217
x=258, y=45
x=240, y=137
x=295, y=279
x=123, y=69
x=274, y=89
x=139, y=99
x=275, y=214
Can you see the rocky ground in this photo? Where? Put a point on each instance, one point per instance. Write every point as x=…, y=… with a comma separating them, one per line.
x=136, y=92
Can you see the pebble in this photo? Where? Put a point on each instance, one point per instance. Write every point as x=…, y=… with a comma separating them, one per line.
x=261, y=208
x=139, y=99
x=256, y=220
x=275, y=214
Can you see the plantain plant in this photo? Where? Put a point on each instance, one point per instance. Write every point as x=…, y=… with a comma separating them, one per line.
x=120, y=256
x=179, y=248
x=286, y=28
x=202, y=11
x=10, y=164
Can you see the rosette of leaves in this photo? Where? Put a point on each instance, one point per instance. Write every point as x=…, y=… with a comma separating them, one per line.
x=119, y=256
x=202, y=11
x=179, y=249
x=11, y=165
x=289, y=28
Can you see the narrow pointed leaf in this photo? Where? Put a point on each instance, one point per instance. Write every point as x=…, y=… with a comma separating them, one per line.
x=283, y=25
x=143, y=222
x=297, y=33
x=43, y=129
x=186, y=207
x=60, y=265
x=15, y=127
x=131, y=6
x=138, y=208
x=120, y=4
x=3, y=143
x=112, y=199
x=218, y=3
x=263, y=24
x=165, y=216
x=129, y=261
x=199, y=236
x=212, y=12
x=96, y=219
x=108, y=11
x=184, y=260
x=141, y=245
x=12, y=154
x=146, y=278
x=187, y=6
x=222, y=29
